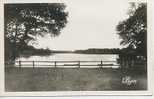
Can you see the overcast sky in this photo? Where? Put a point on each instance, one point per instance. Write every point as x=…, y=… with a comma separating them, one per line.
x=91, y=24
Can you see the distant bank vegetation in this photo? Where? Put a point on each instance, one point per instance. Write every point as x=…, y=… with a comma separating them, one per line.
x=99, y=51
x=33, y=51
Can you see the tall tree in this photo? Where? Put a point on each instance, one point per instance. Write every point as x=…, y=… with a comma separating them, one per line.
x=23, y=22
x=133, y=31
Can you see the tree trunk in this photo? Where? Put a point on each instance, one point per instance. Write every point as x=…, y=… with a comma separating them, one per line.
x=14, y=49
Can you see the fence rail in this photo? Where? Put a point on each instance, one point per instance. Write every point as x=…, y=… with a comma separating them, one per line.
x=68, y=64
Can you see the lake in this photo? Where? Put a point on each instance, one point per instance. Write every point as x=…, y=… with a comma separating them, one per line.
x=69, y=57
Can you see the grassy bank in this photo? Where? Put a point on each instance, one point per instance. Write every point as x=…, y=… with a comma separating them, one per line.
x=66, y=79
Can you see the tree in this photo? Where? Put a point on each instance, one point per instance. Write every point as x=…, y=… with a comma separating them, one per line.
x=23, y=22
x=133, y=31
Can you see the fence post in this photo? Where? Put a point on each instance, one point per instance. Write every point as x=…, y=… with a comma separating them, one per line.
x=101, y=64
x=33, y=64
x=55, y=64
x=79, y=64
x=19, y=64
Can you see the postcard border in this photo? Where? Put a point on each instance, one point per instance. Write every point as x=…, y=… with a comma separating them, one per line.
x=77, y=93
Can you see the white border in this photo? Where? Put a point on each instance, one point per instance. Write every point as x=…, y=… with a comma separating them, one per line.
x=74, y=93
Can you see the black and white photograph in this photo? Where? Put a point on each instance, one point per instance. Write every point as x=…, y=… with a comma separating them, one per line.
x=76, y=45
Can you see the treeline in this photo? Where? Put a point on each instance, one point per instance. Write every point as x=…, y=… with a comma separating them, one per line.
x=24, y=50
x=30, y=50
x=99, y=51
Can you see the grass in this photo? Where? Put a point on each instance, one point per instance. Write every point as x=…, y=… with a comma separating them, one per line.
x=67, y=79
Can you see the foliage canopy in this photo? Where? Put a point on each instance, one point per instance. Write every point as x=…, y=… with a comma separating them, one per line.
x=133, y=31
x=23, y=22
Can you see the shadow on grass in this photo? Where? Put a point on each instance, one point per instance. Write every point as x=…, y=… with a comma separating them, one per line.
x=67, y=79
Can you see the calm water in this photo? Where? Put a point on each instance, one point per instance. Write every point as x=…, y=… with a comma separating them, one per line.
x=70, y=57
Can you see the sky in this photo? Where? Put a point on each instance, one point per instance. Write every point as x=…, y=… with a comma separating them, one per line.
x=91, y=24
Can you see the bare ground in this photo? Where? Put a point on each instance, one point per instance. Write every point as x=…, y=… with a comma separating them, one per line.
x=67, y=79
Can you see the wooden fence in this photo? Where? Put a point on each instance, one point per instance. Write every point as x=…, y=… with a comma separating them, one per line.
x=68, y=64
